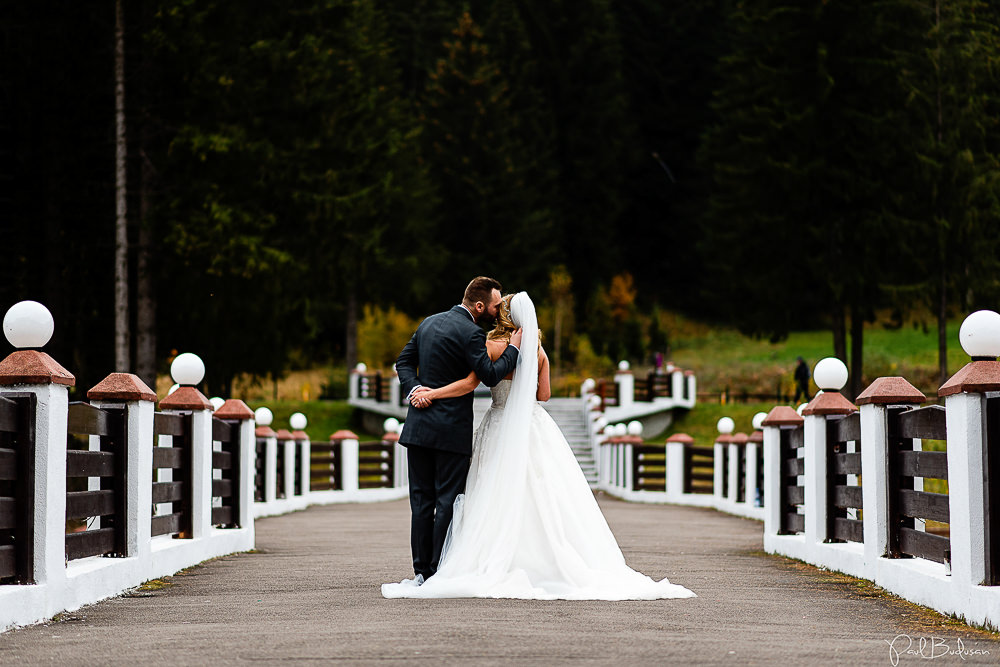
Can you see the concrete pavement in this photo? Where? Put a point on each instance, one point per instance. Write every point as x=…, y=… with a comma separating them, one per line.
x=310, y=594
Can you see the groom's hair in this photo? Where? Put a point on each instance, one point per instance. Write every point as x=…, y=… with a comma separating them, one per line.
x=480, y=289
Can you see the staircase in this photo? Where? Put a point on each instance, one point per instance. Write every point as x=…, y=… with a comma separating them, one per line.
x=569, y=415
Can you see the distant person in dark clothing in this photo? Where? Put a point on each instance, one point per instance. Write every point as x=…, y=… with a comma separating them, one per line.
x=801, y=381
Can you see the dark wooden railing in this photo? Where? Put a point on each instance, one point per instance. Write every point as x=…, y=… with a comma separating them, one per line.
x=841, y=496
x=178, y=458
x=17, y=480
x=725, y=469
x=260, y=469
x=992, y=491
x=792, y=494
x=741, y=474
x=226, y=485
x=297, y=481
x=375, y=464
x=649, y=468
x=654, y=385
x=608, y=392
x=109, y=465
x=279, y=470
x=699, y=469
x=324, y=466
x=905, y=464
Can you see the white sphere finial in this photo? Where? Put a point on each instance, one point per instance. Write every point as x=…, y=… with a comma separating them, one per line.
x=830, y=374
x=979, y=335
x=600, y=423
x=216, y=402
x=361, y=367
x=174, y=387
x=588, y=385
x=263, y=416
x=390, y=425
x=187, y=369
x=623, y=365
x=726, y=425
x=621, y=429
x=635, y=427
x=758, y=420
x=28, y=324
x=609, y=430
x=297, y=421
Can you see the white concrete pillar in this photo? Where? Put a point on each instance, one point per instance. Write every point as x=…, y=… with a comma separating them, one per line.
x=779, y=419
x=677, y=385
x=752, y=492
x=286, y=450
x=348, y=459
x=815, y=486
x=139, y=401
x=718, y=464
x=271, y=469
x=874, y=403
x=966, y=423
x=732, y=450
x=675, y=464
x=626, y=387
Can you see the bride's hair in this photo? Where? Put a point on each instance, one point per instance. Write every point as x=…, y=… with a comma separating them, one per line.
x=505, y=323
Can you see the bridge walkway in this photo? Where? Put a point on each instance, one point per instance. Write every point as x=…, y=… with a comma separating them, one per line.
x=310, y=594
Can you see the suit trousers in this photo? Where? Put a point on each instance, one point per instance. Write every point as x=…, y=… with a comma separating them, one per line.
x=437, y=477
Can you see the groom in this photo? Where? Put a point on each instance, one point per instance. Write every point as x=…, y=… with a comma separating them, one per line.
x=446, y=347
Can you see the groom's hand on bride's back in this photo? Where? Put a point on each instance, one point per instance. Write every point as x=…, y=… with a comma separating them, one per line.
x=515, y=339
x=419, y=398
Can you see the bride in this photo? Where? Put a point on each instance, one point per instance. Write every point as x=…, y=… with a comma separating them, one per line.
x=528, y=525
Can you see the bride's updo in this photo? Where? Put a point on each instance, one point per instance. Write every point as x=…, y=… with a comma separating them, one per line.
x=505, y=323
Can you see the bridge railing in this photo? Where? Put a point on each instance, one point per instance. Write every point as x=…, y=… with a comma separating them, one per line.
x=726, y=475
x=905, y=496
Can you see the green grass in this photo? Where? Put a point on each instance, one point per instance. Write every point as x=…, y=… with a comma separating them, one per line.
x=724, y=359
x=701, y=422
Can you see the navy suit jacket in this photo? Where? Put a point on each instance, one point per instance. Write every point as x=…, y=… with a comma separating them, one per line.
x=447, y=347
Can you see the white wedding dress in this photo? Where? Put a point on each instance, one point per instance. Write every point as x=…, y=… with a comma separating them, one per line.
x=528, y=525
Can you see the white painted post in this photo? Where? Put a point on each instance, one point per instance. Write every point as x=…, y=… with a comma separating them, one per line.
x=966, y=423
x=236, y=410
x=271, y=468
x=286, y=449
x=755, y=444
x=718, y=465
x=966, y=395
x=830, y=375
x=692, y=388
x=874, y=403
x=675, y=464
x=29, y=324
x=781, y=418
x=628, y=465
x=394, y=397
x=188, y=370
x=626, y=385
x=348, y=459
x=677, y=386
x=733, y=483
x=815, y=478
x=139, y=402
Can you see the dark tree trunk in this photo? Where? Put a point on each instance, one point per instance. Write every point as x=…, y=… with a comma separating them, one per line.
x=145, y=342
x=122, y=356
x=857, y=351
x=351, y=333
x=942, y=326
x=839, y=333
